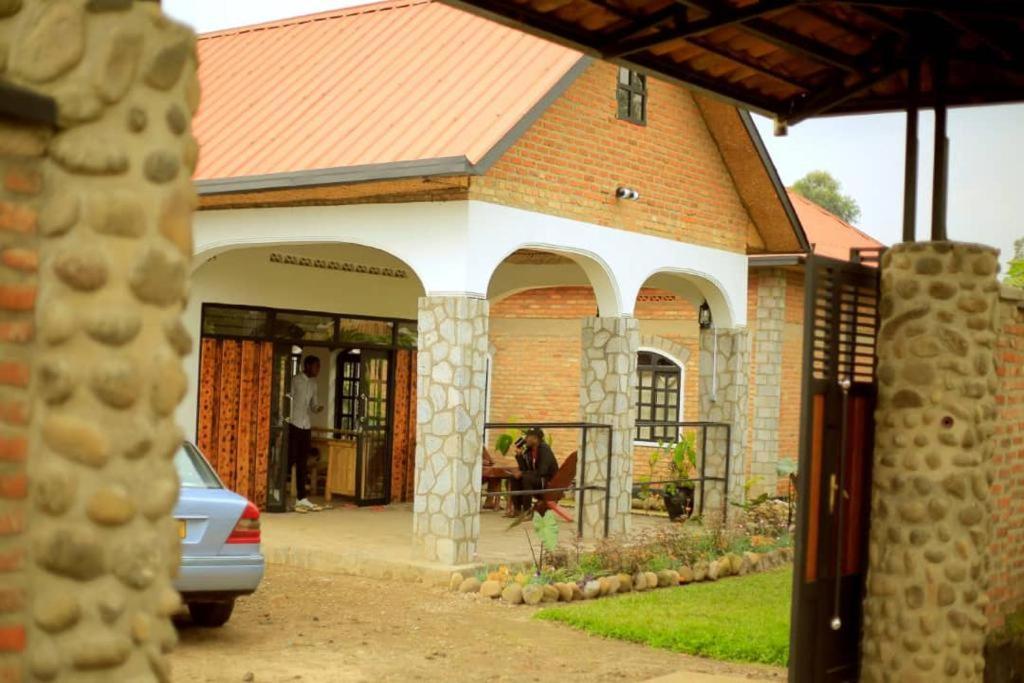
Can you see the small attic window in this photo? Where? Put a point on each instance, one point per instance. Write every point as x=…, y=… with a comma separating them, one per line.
x=631, y=96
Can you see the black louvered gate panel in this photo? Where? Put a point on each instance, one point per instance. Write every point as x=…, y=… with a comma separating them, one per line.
x=836, y=441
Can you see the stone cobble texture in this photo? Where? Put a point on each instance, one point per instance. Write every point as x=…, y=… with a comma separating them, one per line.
x=608, y=396
x=925, y=610
x=724, y=401
x=109, y=199
x=451, y=381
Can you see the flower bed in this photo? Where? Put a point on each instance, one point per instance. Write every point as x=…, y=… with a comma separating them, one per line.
x=674, y=556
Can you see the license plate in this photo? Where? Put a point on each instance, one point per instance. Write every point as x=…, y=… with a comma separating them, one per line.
x=181, y=528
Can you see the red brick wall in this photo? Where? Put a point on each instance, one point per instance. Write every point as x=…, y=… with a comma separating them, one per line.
x=573, y=157
x=1006, y=570
x=21, y=184
x=535, y=371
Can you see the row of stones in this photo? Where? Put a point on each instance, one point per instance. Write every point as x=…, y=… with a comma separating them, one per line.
x=533, y=594
x=608, y=397
x=451, y=378
x=928, y=548
x=113, y=273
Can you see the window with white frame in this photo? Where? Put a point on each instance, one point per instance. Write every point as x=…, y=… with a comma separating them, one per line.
x=659, y=396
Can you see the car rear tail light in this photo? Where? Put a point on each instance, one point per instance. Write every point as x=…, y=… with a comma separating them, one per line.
x=248, y=528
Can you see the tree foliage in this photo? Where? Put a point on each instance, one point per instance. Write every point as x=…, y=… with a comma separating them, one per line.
x=825, y=191
x=1015, y=273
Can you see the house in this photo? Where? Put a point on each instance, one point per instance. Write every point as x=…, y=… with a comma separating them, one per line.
x=467, y=224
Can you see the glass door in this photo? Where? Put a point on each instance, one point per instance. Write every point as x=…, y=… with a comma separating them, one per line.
x=373, y=466
x=277, y=459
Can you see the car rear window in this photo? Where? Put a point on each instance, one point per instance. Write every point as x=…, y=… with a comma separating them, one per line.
x=193, y=471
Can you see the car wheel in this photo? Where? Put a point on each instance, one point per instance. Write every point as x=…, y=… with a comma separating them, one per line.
x=211, y=614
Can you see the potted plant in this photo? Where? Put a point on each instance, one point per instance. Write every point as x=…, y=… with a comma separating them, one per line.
x=678, y=494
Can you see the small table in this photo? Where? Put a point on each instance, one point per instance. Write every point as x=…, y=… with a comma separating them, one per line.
x=493, y=477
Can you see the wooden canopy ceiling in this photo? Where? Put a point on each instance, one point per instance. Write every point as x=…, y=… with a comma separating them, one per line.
x=794, y=59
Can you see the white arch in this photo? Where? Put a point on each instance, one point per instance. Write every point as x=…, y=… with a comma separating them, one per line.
x=694, y=286
x=598, y=274
x=455, y=247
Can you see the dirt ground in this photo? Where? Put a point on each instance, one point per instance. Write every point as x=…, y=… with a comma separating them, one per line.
x=312, y=627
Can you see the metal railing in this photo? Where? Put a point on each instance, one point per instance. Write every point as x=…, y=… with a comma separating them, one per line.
x=702, y=466
x=585, y=429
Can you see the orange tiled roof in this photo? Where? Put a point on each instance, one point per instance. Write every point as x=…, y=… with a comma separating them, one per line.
x=399, y=81
x=828, y=234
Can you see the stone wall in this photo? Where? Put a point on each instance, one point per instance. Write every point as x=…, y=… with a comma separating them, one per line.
x=925, y=611
x=608, y=396
x=724, y=401
x=451, y=380
x=1006, y=548
x=767, y=344
x=115, y=235
x=21, y=150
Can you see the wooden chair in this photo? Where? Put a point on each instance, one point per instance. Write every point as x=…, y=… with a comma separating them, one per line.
x=562, y=479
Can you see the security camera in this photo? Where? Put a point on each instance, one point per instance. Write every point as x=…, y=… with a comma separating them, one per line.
x=627, y=193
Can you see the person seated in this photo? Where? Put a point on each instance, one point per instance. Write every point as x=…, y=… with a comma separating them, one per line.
x=537, y=464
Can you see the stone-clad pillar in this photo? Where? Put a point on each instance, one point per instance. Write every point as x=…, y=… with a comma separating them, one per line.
x=114, y=233
x=451, y=380
x=924, y=615
x=767, y=346
x=608, y=396
x=725, y=355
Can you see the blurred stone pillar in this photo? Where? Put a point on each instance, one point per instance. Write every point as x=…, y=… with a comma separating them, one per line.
x=608, y=396
x=924, y=614
x=724, y=373
x=451, y=380
x=114, y=230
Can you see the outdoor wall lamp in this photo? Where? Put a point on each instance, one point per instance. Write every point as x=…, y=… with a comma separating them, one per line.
x=627, y=193
x=704, y=316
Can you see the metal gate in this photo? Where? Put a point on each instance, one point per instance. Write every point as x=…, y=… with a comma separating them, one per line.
x=836, y=442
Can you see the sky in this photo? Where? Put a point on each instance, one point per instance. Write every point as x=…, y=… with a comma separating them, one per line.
x=865, y=153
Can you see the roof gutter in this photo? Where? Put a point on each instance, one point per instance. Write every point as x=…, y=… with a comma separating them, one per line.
x=773, y=175
x=441, y=166
x=775, y=260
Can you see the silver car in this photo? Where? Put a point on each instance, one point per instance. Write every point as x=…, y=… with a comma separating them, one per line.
x=220, y=541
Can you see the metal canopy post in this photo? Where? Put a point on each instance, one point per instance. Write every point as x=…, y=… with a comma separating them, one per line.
x=910, y=166
x=940, y=175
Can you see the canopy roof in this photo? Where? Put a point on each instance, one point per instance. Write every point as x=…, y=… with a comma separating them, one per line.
x=793, y=59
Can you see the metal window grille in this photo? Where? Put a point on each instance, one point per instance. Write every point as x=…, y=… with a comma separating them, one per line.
x=658, y=391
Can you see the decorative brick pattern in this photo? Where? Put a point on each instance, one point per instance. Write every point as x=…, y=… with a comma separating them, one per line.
x=724, y=400
x=114, y=226
x=608, y=396
x=451, y=380
x=924, y=614
x=1006, y=548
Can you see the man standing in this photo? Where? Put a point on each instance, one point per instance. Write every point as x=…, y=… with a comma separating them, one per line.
x=304, y=403
x=537, y=464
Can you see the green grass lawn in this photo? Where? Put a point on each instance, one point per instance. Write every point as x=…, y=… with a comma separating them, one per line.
x=741, y=619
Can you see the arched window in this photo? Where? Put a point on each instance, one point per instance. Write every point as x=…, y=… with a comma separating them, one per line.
x=659, y=389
